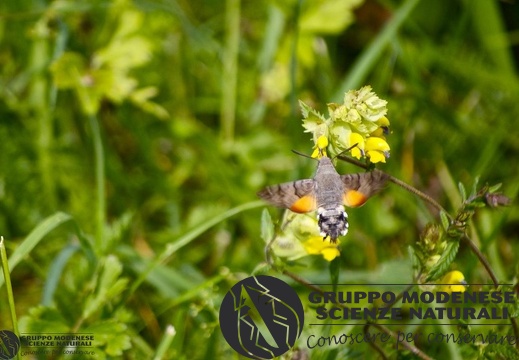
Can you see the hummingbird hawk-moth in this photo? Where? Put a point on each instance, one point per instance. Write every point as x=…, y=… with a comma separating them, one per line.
x=327, y=192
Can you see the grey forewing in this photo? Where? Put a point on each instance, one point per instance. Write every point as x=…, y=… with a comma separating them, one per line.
x=286, y=194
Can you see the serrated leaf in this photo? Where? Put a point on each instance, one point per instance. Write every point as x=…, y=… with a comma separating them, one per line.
x=463, y=193
x=494, y=188
x=43, y=320
x=67, y=70
x=475, y=186
x=108, y=287
x=307, y=111
x=328, y=17
x=415, y=260
x=267, y=226
x=445, y=220
x=112, y=335
x=445, y=261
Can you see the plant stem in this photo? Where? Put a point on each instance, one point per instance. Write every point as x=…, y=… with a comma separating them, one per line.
x=230, y=70
x=405, y=344
x=400, y=183
x=165, y=343
x=481, y=258
x=293, y=58
x=366, y=61
x=99, y=170
x=8, y=286
x=418, y=193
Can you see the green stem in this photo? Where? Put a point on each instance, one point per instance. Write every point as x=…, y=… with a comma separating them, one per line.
x=165, y=343
x=367, y=60
x=230, y=70
x=8, y=286
x=400, y=183
x=99, y=170
x=293, y=59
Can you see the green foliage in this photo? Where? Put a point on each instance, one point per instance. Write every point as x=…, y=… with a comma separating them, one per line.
x=135, y=135
x=444, y=262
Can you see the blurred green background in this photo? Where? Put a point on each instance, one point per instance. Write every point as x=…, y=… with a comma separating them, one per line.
x=148, y=120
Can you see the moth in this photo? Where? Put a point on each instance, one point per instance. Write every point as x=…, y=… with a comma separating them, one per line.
x=328, y=192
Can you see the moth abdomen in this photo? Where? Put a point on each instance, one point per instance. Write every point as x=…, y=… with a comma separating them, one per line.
x=332, y=222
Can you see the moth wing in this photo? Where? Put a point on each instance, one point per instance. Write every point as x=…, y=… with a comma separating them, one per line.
x=298, y=196
x=358, y=188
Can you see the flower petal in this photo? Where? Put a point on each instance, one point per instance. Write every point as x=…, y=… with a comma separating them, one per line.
x=376, y=156
x=330, y=253
x=376, y=143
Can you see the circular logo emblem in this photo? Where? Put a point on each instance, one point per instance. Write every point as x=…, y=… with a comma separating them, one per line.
x=261, y=317
x=9, y=344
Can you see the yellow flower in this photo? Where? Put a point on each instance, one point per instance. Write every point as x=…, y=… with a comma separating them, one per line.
x=316, y=245
x=453, y=281
x=361, y=115
x=320, y=147
x=358, y=150
x=377, y=149
x=383, y=128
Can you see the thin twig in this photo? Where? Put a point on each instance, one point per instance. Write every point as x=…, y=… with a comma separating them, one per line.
x=418, y=193
x=373, y=344
x=303, y=281
x=400, y=183
x=481, y=258
x=490, y=272
x=405, y=344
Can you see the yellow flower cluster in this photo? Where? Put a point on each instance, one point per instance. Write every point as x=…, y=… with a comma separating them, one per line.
x=357, y=125
x=300, y=237
x=429, y=250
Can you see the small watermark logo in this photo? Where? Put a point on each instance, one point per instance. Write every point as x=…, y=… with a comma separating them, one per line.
x=261, y=317
x=9, y=344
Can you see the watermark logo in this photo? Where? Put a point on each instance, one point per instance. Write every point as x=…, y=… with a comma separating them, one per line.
x=9, y=344
x=261, y=317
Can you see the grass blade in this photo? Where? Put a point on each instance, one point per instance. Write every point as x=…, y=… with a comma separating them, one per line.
x=366, y=61
x=35, y=237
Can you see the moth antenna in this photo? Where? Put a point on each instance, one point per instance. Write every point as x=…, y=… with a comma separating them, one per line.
x=348, y=149
x=303, y=155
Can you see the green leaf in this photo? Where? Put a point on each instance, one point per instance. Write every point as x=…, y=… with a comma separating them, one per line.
x=267, y=227
x=415, y=260
x=109, y=286
x=43, y=320
x=56, y=270
x=475, y=186
x=328, y=17
x=67, y=70
x=463, y=193
x=494, y=188
x=111, y=334
x=35, y=237
x=445, y=220
x=308, y=111
x=445, y=261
